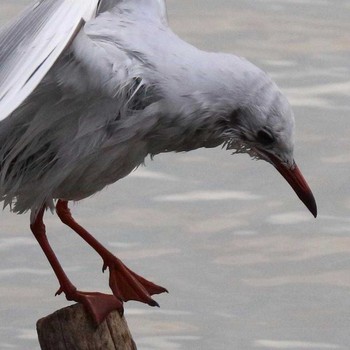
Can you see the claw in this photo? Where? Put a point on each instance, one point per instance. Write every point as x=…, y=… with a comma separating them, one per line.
x=59, y=292
x=127, y=285
x=97, y=304
x=100, y=305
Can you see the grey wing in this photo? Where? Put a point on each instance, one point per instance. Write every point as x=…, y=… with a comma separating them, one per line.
x=162, y=5
x=162, y=10
x=106, y=5
x=60, y=131
x=30, y=45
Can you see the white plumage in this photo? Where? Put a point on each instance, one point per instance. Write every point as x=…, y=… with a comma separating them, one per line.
x=89, y=88
x=125, y=87
x=68, y=114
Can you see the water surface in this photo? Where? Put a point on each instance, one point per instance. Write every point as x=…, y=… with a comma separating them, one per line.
x=246, y=265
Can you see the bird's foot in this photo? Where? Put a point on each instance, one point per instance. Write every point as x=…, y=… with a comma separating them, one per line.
x=98, y=305
x=127, y=285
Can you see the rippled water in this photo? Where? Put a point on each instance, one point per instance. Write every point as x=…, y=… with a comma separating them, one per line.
x=246, y=265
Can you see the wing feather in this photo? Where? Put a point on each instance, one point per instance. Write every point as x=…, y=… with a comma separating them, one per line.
x=31, y=44
x=163, y=10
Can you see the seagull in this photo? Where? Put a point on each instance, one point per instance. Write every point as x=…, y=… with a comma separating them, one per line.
x=89, y=89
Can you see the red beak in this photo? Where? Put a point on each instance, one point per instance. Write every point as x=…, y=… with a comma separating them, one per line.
x=296, y=180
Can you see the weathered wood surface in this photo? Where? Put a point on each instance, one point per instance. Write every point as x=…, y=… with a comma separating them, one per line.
x=72, y=328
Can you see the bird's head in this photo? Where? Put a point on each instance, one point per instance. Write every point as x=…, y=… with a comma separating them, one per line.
x=225, y=99
x=261, y=123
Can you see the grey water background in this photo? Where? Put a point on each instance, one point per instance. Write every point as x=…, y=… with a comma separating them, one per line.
x=246, y=265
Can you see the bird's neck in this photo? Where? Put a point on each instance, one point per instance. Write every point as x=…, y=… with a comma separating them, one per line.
x=195, y=102
x=197, y=88
x=180, y=133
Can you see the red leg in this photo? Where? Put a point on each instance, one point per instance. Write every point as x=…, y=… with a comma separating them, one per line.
x=125, y=284
x=98, y=305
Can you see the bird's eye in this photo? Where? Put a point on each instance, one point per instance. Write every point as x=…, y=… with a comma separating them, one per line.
x=264, y=137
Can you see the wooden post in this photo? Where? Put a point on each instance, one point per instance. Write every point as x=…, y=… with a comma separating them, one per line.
x=72, y=328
